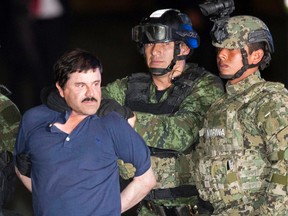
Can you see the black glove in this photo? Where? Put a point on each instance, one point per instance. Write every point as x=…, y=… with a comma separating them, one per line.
x=23, y=163
x=109, y=105
x=51, y=97
x=7, y=177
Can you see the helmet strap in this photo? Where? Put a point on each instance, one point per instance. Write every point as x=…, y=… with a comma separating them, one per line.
x=245, y=66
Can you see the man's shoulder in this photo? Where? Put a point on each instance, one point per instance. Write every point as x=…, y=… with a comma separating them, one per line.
x=6, y=102
x=206, y=80
x=271, y=99
x=38, y=114
x=116, y=89
x=112, y=118
x=200, y=71
x=8, y=110
x=269, y=91
x=38, y=109
x=119, y=81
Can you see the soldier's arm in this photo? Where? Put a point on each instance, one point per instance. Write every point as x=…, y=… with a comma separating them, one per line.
x=25, y=180
x=274, y=122
x=116, y=90
x=180, y=130
x=9, y=122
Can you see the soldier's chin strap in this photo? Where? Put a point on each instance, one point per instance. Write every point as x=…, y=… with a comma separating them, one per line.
x=162, y=71
x=245, y=67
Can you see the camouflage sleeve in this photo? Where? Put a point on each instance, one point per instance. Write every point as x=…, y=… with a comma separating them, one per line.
x=9, y=122
x=179, y=131
x=116, y=90
x=273, y=119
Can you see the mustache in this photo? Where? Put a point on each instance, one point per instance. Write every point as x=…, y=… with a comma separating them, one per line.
x=89, y=99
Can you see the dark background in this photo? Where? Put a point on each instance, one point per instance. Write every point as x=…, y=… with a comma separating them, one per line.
x=104, y=27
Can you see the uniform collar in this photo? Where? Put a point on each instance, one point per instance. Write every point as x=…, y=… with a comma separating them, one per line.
x=243, y=84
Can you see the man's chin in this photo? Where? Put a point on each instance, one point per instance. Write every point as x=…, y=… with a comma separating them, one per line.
x=226, y=76
x=90, y=110
x=158, y=71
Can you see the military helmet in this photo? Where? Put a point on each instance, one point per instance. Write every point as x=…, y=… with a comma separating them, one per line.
x=239, y=31
x=166, y=25
x=242, y=30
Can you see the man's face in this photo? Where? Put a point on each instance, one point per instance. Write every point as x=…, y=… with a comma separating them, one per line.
x=82, y=92
x=159, y=55
x=229, y=61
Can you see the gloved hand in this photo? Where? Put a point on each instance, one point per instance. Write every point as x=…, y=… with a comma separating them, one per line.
x=109, y=105
x=51, y=97
x=23, y=163
x=127, y=170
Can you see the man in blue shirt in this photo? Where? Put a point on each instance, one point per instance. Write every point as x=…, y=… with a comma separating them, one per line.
x=74, y=153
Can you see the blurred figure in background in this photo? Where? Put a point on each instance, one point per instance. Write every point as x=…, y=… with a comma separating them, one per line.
x=33, y=35
x=50, y=25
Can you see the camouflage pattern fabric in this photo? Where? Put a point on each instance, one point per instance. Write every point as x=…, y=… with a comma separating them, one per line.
x=127, y=170
x=238, y=31
x=9, y=121
x=242, y=156
x=144, y=211
x=175, y=132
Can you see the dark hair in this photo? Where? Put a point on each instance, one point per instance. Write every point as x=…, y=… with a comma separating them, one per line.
x=256, y=46
x=77, y=60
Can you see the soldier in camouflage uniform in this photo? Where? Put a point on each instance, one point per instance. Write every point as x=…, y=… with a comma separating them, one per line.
x=170, y=103
x=242, y=156
x=9, y=120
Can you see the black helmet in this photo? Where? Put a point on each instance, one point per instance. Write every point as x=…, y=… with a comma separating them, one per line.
x=166, y=25
x=163, y=26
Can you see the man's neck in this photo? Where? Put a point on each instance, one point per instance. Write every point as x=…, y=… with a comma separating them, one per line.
x=163, y=82
x=71, y=123
x=244, y=75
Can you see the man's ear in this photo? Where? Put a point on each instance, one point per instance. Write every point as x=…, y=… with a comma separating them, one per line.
x=60, y=89
x=184, y=49
x=257, y=56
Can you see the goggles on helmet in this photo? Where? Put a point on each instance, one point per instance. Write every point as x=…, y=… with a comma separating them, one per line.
x=152, y=33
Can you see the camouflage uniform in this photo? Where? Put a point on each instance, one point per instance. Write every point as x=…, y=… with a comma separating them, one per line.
x=242, y=156
x=176, y=132
x=9, y=120
x=243, y=151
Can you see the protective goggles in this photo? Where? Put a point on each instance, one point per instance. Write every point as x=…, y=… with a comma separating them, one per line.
x=151, y=33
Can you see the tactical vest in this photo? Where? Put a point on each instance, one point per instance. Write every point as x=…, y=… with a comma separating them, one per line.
x=171, y=168
x=139, y=86
x=232, y=167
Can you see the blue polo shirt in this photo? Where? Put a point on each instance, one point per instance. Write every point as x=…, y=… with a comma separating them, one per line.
x=77, y=173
